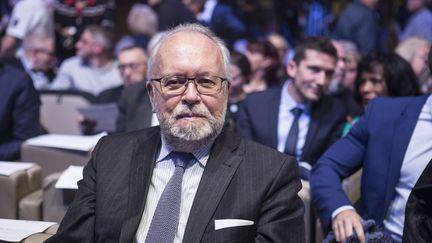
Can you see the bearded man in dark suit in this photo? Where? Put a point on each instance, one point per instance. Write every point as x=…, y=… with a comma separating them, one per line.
x=187, y=180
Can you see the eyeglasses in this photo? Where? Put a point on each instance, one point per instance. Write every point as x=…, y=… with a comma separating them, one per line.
x=44, y=51
x=176, y=85
x=132, y=66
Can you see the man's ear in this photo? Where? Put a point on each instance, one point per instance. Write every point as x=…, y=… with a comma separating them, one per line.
x=292, y=68
x=151, y=93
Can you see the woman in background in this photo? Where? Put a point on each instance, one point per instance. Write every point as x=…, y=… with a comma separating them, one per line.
x=266, y=67
x=383, y=74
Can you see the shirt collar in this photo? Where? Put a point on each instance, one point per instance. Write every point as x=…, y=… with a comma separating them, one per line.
x=26, y=63
x=201, y=155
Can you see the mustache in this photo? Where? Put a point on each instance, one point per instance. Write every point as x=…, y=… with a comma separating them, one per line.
x=188, y=111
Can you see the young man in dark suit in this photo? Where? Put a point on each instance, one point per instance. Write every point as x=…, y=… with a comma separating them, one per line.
x=270, y=117
x=187, y=180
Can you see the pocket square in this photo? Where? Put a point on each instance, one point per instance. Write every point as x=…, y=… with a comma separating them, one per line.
x=227, y=223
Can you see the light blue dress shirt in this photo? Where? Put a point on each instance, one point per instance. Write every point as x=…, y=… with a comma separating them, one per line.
x=285, y=120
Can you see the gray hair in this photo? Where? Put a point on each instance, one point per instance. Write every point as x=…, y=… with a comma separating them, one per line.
x=193, y=28
x=32, y=39
x=102, y=37
x=142, y=19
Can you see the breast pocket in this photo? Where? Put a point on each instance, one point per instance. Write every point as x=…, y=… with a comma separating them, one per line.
x=235, y=234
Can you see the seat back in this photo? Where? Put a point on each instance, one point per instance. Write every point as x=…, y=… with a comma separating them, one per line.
x=59, y=112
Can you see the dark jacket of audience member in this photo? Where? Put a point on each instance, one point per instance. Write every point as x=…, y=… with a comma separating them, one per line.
x=172, y=13
x=418, y=212
x=19, y=111
x=135, y=110
x=359, y=23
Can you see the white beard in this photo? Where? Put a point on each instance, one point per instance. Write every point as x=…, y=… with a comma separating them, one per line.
x=190, y=136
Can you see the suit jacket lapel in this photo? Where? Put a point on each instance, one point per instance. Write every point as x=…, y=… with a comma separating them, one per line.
x=314, y=124
x=402, y=135
x=219, y=171
x=141, y=170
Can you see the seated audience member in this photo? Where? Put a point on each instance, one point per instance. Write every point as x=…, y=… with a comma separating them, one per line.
x=352, y=58
x=418, y=213
x=340, y=87
x=297, y=118
x=135, y=110
x=382, y=74
x=240, y=71
x=131, y=96
x=220, y=17
x=142, y=23
x=93, y=69
x=392, y=143
x=73, y=16
x=415, y=51
x=281, y=45
x=180, y=182
x=132, y=64
x=19, y=111
x=171, y=13
x=339, y=73
x=419, y=21
x=267, y=69
x=37, y=59
x=27, y=16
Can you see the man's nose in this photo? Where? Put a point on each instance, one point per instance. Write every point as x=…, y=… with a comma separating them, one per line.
x=191, y=94
x=322, y=78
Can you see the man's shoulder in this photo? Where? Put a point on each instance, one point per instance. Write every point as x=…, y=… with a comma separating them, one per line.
x=8, y=72
x=71, y=62
x=147, y=135
x=255, y=153
x=330, y=105
x=396, y=103
x=263, y=97
x=136, y=88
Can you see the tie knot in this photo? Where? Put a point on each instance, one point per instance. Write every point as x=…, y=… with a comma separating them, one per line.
x=181, y=159
x=296, y=111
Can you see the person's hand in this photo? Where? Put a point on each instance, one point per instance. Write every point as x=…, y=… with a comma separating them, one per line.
x=344, y=223
x=87, y=126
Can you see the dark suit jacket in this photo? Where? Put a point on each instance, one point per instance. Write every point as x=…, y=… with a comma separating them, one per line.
x=19, y=111
x=376, y=143
x=135, y=110
x=242, y=180
x=418, y=212
x=257, y=119
x=50, y=74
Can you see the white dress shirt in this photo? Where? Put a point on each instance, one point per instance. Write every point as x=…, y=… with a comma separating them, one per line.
x=162, y=173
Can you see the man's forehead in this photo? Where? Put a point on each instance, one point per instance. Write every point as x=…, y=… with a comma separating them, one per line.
x=317, y=56
x=135, y=54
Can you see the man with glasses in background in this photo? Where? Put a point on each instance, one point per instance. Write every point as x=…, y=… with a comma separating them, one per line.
x=187, y=180
x=37, y=59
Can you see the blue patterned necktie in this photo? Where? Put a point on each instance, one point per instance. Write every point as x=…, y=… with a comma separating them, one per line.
x=163, y=227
